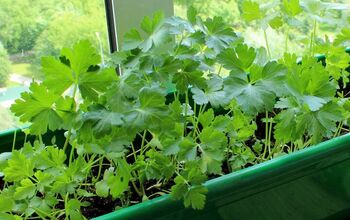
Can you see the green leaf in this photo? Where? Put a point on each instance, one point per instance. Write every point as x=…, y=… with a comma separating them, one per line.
x=195, y=197
x=5, y=216
x=188, y=150
x=4, y=157
x=180, y=188
x=322, y=123
x=152, y=97
x=337, y=61
x=39, y=206
x=241, y=57
x=102, y=189
x=293, y=122
x=157, y=34
x=241, y=157
x=84, y=193
x=103, y=121
x=132, y=39
x=91, y=84
x=251, y=11
x=26, y=190
x=114, y=182
x=150, y=110
x=291, y=7
x=71, y=177
x=213, y=94
x=212, y=147
x=149, y=25
x=188, y=76
x=276, y=22
x=56, y=71
x=158, y=166
x=188, y=186
x=206, y=118
x=192, y=14
x=309, y=83
x=44, y=180
x=19, y=167
x=38, y=107
x=178, y=25
x=258, y=94
x=221, y=122
x=343, y=37
x=286, y=129
x=6, y=204
x=50, y=157
x=241, y=127
x=72, y=208
x=217, y=34
x=81, y=57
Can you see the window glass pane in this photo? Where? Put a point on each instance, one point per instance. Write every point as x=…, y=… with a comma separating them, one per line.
x=331, y=17
x=30, y=29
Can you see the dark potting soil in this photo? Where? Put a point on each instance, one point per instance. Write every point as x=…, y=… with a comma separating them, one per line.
x=2, y=182
x=99, y=206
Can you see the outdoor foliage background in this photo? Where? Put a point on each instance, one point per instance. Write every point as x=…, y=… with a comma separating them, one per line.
x=5, y=65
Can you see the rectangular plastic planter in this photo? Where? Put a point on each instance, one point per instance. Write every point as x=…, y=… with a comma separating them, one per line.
x=313, y=183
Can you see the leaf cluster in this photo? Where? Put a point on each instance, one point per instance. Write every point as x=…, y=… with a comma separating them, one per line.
x=192, y=102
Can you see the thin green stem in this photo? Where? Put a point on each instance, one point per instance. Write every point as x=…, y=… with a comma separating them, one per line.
x=41, y=139
x=286, y=41
x=220, y=68
x=71, y=154
x=66, y=142
x=143, y=140
x=339, y=129
x=179, y=44
x=70, y=130
x=200, y=109
x=269, y=137
x=133, y=151
x=266, y=132
x=66, y=204
x=14, y=140
x=203, y=109
x=186, y=111
x=267, y=44
x=99, y=169
x=136, y=189
x=25, y=137
x=313, y=39
x=195, y=120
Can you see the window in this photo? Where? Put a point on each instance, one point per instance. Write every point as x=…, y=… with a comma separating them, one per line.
x=30, y=29
x=331, y=17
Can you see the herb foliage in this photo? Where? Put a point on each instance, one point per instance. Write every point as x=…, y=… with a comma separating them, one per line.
x=192, y=102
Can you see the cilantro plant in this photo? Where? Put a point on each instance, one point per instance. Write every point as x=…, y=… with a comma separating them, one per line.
x=191, y=101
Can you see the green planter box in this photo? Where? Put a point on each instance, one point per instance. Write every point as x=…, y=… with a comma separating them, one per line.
x=310, y=184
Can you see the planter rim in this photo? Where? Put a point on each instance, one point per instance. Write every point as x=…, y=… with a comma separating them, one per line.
x=313, y=153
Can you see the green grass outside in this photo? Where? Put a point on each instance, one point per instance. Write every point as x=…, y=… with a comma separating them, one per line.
x=24, y=69
x=9, y=83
